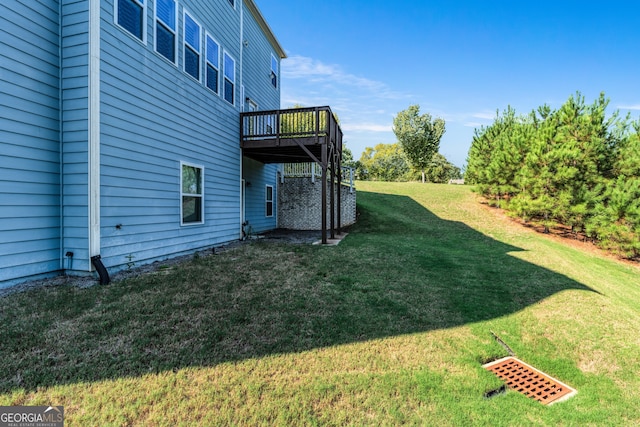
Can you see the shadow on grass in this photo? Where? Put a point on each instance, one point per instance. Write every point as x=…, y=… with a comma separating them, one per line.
x=401, y=270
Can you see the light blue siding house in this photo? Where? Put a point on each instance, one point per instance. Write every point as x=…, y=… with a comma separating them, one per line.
x=120, y=130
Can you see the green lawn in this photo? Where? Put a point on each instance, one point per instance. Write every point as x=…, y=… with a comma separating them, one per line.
x=390, y=327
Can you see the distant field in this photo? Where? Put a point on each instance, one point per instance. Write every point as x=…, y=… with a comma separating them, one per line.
x=390, y=327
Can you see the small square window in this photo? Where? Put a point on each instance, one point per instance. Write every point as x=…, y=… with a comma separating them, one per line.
x=191, y=193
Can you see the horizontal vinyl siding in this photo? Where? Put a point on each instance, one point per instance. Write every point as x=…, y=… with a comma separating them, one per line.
x=153, y=116
x=75, y=134
x=29, y=140
x=257, y=82
x=221, y=21
x=259, y=176
x=257, y=66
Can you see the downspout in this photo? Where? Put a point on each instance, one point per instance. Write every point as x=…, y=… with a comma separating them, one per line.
x=100, y=268
x=241, y=4
x=94, y=138
x=241, y=44
x=60, y=139
x=94, y=142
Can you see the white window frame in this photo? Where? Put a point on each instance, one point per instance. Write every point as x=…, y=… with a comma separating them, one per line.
x=267, y=201
x=225, y=55
x=206, y=62
x=144, y=5
x=186, y=45
x=183, y=195
x=157, y=21
x=274, y=72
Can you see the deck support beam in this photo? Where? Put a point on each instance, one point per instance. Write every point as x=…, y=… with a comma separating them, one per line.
x=339, y=184
x=324, y=194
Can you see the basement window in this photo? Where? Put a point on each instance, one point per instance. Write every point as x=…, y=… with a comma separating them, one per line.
x=269, y=201
x=191, y=193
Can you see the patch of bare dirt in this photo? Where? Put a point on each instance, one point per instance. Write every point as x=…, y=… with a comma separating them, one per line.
x=560, y=233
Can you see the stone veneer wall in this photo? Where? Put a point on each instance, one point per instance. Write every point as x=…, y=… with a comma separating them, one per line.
x=300, y=204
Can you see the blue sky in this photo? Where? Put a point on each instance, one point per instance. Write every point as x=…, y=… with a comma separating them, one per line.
x=459, y=60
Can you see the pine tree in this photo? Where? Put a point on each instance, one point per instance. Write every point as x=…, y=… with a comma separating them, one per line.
x=572, y=166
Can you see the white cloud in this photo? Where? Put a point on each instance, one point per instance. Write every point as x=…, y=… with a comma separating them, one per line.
x=296, y=67
x=366, y=127
x=484, y=115
x=365, y=106
x=472, y=124
x=629, y=107
x=333, y=76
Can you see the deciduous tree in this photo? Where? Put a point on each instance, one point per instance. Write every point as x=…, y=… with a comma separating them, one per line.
x=384, y=162
x=419, y=136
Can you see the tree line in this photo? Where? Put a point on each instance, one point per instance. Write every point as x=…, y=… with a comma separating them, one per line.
x=574, y=166
x=388, y=162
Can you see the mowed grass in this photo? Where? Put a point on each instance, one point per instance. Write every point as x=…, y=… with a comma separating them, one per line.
x=388, y=328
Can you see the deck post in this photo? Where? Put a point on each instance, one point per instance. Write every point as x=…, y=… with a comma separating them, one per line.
x=333, y=189
x=332, y=160
x=339, y=169
x=324, y=194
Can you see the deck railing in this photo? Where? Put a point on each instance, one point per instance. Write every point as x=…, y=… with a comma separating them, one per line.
x=314, y=171
x=301, y=170
x=291, y=123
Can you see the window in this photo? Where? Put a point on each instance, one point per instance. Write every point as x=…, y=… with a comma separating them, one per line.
x=213, y=63
x=269, y=201
x=191, y=193
x=229, y=78
x=166, y=29
x=131, y=15
x=191, y=47
x=232, y=3
x=274, y=71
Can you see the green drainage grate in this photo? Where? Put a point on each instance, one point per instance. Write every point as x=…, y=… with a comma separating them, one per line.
x=529, y=381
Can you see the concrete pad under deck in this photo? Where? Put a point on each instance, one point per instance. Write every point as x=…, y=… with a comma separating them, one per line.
x=332, y=242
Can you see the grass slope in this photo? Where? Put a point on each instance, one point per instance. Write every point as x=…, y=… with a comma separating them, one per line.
x=390, y=327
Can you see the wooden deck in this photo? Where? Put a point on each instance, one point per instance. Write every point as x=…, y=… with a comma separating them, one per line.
x=296, y=135
x=299, y=135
